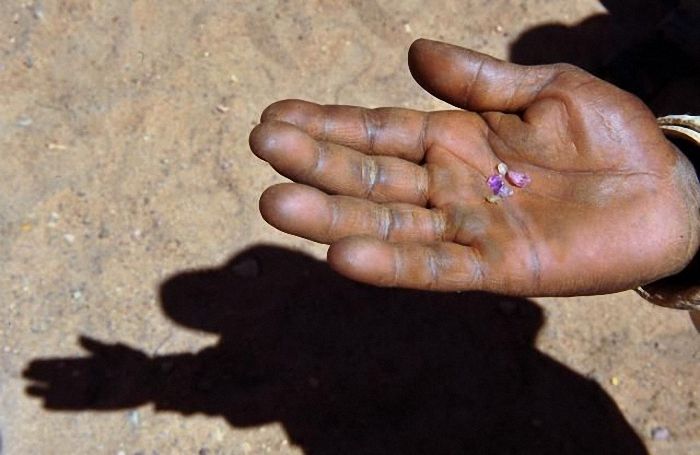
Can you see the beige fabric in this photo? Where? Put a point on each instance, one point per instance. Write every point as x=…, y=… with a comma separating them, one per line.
x=681, y=291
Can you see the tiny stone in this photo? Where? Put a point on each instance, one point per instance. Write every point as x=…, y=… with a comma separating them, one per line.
x=24, y=121
x=495, y=183
x=519, y=179
x=37, y=11
x=502, y=168
x=615, y=381
x=70, y=238
x=494, y=199
x=134, y=417
x=505, y=191
x=660, y=434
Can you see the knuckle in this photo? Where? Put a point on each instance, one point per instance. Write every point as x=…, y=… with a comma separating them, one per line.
x=433, y=265
x=371, y=123
x=369, y=175
x=386, y=221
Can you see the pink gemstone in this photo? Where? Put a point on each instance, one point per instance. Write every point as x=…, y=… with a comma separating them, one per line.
x=519, y=179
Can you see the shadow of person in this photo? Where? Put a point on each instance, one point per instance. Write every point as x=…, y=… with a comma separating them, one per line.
x=648, y=47
x=349, y=368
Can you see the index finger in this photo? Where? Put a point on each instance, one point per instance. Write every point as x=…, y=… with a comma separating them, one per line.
x=403, y=133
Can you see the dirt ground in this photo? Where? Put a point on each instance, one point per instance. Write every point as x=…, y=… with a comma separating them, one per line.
x=146, y=308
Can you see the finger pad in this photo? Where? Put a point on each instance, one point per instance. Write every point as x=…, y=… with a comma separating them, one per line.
x=362, y=259
x=284, y=146
x=293, y=208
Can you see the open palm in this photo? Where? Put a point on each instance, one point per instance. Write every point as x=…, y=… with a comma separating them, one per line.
x=400, y=195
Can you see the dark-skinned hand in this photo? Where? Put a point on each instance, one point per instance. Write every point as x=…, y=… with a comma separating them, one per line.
x=400, y=195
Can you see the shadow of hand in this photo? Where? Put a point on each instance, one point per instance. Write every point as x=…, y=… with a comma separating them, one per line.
x=112, y=377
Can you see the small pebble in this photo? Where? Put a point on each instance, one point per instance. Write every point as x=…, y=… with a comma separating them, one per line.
x=37, y=11
x=615, y=381
x=502, y=168
x=24, y=121
x=134, y=417
x=660, y=434
x=70, y=238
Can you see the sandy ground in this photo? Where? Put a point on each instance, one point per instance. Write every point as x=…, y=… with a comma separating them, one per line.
x=128, y=217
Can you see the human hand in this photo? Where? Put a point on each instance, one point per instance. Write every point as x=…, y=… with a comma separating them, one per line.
x=400, y=195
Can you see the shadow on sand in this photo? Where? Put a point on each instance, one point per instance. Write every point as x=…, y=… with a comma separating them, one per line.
x=348, y=368
x=648, y=47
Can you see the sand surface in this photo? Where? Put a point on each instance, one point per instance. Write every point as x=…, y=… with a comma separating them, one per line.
x=162, y=315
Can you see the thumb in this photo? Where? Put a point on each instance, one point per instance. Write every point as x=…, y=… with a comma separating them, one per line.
x=475, y=81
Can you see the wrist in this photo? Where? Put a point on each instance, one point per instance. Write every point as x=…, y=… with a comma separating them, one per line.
x=682, y=290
